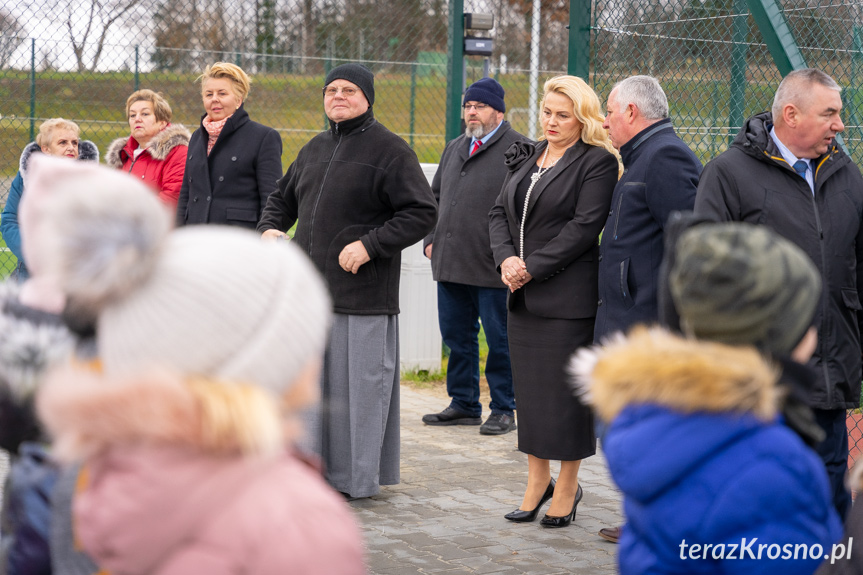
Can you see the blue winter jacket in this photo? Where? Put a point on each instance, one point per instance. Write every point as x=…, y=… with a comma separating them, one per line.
x=712, y=480
x=87, y=150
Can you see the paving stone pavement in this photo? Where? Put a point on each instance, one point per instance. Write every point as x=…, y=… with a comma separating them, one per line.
x=446, y=516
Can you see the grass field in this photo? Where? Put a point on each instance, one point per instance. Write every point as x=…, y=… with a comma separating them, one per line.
x=292, y=104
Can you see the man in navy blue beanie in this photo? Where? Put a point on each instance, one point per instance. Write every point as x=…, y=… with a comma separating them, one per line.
x=466, y=185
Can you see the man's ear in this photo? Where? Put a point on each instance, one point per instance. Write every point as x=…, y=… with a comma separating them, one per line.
x=790, y=115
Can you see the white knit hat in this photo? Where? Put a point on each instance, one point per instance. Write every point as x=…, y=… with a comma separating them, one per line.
x=220, y=303
x=210, y=301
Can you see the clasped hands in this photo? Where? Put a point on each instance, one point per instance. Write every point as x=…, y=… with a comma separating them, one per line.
x=513, y=273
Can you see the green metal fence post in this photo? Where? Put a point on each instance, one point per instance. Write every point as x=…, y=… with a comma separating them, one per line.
x=454, y=68
x=739, y=50
x=578, y=63
x=777, y=35
x=32, y=89
x=851, y=100
x=137, y=78
x=328, y=65
x=413, y=101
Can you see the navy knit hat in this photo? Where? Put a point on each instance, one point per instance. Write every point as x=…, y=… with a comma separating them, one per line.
x=356, y=74
x=487, y=91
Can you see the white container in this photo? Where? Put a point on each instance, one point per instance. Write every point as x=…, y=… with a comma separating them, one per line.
x=419, y=333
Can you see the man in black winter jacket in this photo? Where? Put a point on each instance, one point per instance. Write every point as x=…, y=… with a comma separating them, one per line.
x=785, y=170
x=359, y=197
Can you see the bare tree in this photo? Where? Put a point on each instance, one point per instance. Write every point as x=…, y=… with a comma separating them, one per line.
x=88, y=23
x=11, y=36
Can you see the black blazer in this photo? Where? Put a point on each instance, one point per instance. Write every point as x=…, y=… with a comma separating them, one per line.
x=232, y=184
x=567, y=210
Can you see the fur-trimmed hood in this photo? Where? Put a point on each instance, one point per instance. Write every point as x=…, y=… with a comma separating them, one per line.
x=159, y=147
x=653, y=366
x=674, y=405
x=87, y=150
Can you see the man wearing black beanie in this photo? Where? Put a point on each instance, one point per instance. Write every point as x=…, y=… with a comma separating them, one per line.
x=359, y=197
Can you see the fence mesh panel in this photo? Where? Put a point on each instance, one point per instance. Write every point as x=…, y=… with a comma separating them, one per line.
x=712, y=61
x=80, y=59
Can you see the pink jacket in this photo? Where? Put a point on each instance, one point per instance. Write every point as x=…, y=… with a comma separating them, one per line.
x=149, y=504
x=161, y=165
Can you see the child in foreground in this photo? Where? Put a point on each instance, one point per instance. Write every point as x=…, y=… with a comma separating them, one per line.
x=208, y=340
x=713, y=481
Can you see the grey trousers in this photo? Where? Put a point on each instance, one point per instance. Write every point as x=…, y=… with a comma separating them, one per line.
x=356, y=430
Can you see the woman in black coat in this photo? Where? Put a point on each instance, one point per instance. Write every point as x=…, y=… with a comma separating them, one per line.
x=233, y=163
x=544, y=233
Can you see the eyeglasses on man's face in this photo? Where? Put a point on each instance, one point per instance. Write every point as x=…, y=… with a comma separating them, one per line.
x=478, y=107
x=347, y=91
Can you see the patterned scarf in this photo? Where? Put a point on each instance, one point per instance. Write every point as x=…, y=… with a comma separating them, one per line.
x=214, y=129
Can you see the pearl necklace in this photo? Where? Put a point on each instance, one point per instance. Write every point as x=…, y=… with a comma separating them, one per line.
x=534, y=178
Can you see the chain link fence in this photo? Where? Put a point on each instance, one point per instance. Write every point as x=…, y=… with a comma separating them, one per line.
x=80, y=59
x=714, y=63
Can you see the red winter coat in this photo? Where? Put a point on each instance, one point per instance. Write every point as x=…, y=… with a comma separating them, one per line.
x=161, y=165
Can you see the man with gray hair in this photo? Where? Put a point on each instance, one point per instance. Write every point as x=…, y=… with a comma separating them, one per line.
x=660, y=177
x=785, y=170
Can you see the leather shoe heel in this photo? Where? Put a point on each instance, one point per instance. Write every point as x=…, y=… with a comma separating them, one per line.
x=520, y=516
x=549, y=521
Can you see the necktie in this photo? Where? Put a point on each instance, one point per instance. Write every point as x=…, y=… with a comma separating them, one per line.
x=800, y=166
x=476, y=146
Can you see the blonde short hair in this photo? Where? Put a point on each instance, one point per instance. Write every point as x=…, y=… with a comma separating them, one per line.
x=585, y=107
x=161, y=108
x=239, y=79
x=48, y=127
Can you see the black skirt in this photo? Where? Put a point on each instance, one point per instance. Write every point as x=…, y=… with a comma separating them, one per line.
x=552, y=422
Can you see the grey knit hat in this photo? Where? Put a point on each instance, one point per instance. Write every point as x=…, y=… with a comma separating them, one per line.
x=220, y=303
x=356, y=74
x=742, y=284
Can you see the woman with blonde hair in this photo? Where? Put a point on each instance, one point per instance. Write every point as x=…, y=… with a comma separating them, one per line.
x=155, y=151
x=233, y=163
x=56, y=137
x=544, y=232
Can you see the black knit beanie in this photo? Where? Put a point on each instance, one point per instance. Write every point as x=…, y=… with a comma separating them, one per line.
x=487, y=91
x=356, y=74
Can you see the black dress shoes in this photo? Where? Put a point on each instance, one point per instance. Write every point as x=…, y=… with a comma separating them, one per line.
x=498, y=424
x=451, y=416
x=527, y=516
x=549, y=521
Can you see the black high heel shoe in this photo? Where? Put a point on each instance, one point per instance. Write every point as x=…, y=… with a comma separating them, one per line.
x=527, y=516
x=549, y=521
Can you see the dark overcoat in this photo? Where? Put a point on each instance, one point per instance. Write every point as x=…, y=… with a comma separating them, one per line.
x=660, y=176
x=466, y=187
x=232, y=184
